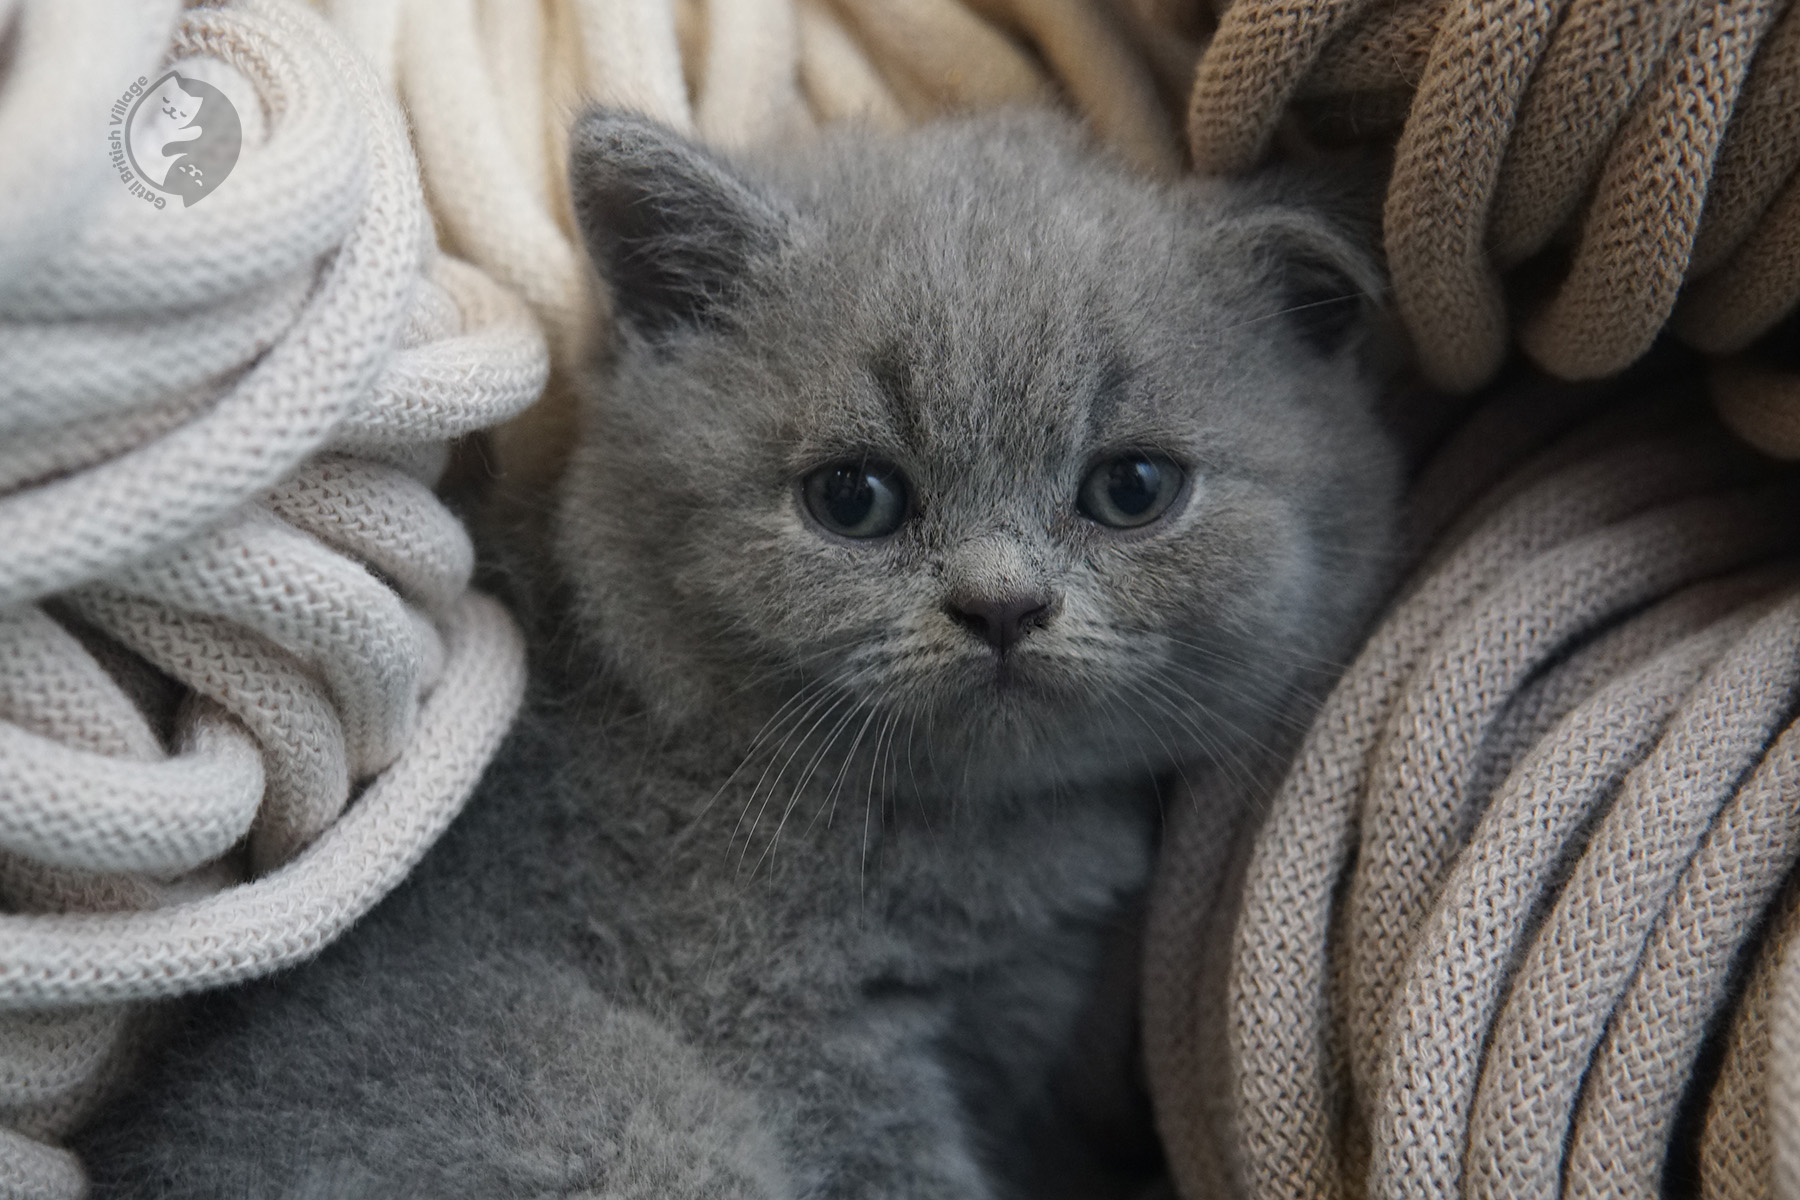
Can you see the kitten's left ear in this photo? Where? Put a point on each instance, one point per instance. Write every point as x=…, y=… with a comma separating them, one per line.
x=1327, y=276
x=670, y=227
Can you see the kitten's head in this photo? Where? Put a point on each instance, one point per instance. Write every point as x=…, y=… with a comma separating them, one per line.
x=971, y=437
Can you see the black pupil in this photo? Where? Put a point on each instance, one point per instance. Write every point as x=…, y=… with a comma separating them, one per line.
x=1132, y=485
x=848, y=496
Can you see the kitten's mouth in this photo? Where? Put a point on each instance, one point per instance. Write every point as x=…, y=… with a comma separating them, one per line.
x=1013, y=676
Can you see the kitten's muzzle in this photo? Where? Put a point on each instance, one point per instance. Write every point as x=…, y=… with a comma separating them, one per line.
x=1001, y=621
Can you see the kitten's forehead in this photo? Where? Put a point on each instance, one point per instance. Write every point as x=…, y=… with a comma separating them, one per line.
x=963, y=339
x=974, y=383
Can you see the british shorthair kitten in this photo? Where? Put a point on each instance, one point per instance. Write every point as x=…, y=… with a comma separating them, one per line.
x=938, y=497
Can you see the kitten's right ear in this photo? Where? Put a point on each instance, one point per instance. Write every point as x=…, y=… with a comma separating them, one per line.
x=670, y=227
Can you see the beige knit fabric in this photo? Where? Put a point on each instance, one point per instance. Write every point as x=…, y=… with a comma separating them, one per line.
x=1737, y=1146
x=1498, y=902
x=1761, y=404
x=243, y=683
x=1580, y=170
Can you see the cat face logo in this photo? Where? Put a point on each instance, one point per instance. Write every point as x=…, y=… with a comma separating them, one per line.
x=178, y=137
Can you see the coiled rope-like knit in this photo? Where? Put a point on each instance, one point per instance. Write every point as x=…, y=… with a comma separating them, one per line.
x=1500, y=900
x=1641, y=155
x=243, y=681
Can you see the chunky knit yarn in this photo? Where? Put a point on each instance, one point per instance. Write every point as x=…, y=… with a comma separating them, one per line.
x=1500, y=900
x=1578, y=174
x=243, y=681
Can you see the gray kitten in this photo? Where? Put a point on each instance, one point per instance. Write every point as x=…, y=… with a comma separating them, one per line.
x=938, y=496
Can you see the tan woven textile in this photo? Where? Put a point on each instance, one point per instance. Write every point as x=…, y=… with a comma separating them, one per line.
x=1451, y=148
x=1632, y=249
x=1572, y=171
x=1497, y=904
x=1761, y=404
x=1737, y=1149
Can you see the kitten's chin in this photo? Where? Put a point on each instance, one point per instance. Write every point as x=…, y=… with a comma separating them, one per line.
x=1000, y=761
x=1019, y=682
x=1007, y=684
x=1020, y=733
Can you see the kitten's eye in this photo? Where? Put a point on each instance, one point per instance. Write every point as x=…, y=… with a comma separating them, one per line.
x=864, y=499
x=1130, y=490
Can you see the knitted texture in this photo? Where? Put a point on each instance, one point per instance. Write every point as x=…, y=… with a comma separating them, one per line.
x=1587, y=171
x=1500, y=900
x=243, y=682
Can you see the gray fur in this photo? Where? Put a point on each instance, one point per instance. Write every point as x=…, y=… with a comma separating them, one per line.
x=788, y=886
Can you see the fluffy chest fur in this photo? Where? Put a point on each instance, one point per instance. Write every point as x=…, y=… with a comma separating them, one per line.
x=670, y=887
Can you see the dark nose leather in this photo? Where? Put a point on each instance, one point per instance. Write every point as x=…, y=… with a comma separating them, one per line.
x=1000, y=621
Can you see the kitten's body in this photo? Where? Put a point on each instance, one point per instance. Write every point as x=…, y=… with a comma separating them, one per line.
x=805, y=895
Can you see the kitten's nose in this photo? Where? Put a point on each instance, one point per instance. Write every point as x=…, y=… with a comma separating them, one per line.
x=1000, y=621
